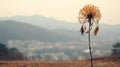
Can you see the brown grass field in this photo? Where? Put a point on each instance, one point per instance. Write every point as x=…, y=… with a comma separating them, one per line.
x=101, y=62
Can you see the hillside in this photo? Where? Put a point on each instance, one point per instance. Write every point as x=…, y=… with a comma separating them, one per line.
x=13, y=30
x=64, y=27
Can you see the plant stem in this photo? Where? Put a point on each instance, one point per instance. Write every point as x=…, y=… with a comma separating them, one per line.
x=90, y=44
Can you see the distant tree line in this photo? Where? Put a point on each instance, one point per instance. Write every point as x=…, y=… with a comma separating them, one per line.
x=116, y=49
x=9, y=53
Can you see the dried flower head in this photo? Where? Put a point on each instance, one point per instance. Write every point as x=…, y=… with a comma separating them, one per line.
x=90, y=14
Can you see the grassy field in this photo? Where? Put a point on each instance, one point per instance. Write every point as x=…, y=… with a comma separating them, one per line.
x=101, y=62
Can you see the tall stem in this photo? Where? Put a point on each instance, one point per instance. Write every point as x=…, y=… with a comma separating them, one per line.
x=90, y=44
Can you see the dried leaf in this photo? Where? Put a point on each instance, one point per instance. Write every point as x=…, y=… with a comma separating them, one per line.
x=96, y=30
x=82, y=30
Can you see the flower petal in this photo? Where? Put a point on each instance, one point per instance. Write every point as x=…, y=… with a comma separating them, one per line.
x=82, y=30
x=96, y=30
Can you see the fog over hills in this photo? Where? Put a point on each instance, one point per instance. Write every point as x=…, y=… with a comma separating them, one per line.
x=63, y=26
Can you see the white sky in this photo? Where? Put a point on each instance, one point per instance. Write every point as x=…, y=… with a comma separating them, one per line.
x=66, y=10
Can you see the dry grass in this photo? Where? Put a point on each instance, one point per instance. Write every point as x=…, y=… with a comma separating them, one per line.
x=101, y=62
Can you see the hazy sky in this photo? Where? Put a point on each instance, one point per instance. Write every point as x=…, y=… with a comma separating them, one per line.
x=66, y=10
